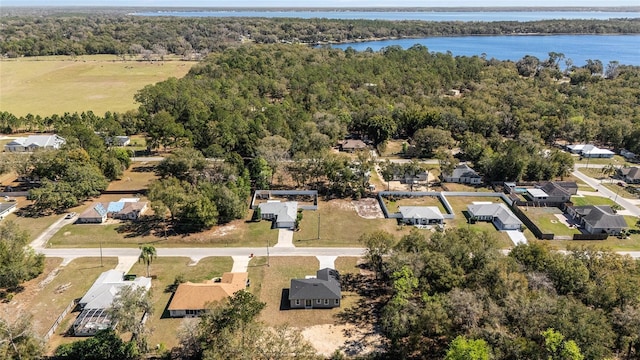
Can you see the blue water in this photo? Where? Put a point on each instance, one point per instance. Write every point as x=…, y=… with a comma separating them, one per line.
x=622, y=48
x=403, y=15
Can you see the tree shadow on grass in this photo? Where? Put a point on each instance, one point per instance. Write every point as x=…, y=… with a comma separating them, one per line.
x=373, y=295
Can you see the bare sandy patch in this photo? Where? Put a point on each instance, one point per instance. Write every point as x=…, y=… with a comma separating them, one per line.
x=368, y=208
x=349, y=339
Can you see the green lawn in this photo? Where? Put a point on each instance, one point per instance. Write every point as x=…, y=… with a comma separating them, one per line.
x=269, y=282
x=165, y=269
x=616, y=160
x=340, y=225
x=591, y=200
x=60, y=84
x=620, y=190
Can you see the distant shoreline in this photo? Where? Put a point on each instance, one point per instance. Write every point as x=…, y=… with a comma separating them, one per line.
x=342, y=9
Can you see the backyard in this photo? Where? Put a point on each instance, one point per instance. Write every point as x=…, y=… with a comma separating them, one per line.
x=164, y=330
x=547, y=219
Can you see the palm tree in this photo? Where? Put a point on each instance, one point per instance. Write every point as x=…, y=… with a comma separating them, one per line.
x=609, y=170
x=147, y=254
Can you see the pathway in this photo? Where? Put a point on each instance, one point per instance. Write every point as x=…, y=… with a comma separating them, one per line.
x=285, y=238
x=42, y=240
x=327, y=261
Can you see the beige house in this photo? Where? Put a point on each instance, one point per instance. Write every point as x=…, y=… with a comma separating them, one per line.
x=191, y=299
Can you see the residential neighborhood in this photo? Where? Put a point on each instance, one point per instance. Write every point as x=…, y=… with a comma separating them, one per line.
x=317, y=183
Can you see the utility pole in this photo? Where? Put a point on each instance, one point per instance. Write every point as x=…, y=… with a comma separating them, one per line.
x=318, y=225
x=101, y=254
x=268, y=243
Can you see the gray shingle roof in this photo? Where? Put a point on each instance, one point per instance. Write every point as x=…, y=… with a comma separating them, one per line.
x=326, y=285
x=497, y=210
x=420, y=212
x=602, y=217
x=283, y=211
x=463, y=170
x=553, y=189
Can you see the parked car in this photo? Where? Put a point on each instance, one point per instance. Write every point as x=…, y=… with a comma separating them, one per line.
x=70, y=215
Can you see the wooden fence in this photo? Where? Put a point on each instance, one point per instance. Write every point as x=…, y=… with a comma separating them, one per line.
x=64, y=313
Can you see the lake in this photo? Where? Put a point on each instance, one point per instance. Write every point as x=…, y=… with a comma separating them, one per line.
x=622, y=48
x=402, y=15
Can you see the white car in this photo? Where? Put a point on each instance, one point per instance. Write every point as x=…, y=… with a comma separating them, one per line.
x=70, y=215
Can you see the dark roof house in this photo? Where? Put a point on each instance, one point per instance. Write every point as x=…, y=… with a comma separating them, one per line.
x=598, y=219
x=351, y=145
x=322, y=292
x=630, y=175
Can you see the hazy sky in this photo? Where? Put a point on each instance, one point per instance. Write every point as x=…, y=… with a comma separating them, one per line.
x=325, y=3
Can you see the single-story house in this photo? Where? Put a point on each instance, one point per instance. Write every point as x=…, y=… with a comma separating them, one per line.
x=322, y=292
x=35, y=142
x=98, y=299
x=192, y=299
x=410, y=178
x=499, y=214
x=628, y=155
x=351, y=145
x=630, y=175
x=463, y=174
x=283, y=214
x=123, y=209
x=570, y=186
x=598, y=219
x=590, y=151
x=550, y=192
x=95, y=214
x=119, y=140
x=421, y=215
x=7, y=208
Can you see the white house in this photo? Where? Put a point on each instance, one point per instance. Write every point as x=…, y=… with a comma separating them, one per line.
x=35, y=142
x=590, y=151
x=499, y=214
x=463, y=174
x=421, y=215
x=99, y=298
x=283, y=214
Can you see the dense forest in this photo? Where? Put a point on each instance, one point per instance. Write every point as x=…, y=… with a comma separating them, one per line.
x=455, y=290
x=123, y=35
x=300, y=101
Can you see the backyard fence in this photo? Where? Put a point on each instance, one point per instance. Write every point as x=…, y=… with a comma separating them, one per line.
x=603, y=236
x=533, y=227
x=64, y=313
x=261, y=194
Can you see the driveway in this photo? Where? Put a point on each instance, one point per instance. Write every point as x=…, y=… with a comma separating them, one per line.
x=42, y=240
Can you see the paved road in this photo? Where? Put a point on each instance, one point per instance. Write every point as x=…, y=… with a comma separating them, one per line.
x=603, y=191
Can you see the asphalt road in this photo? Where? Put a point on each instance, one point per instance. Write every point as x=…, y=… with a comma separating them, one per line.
x=633, y=209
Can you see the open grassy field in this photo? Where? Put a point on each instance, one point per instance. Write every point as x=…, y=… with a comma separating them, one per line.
x=268, y=284
x=616, y=160
x=591, y=200
x=54, y=85
x=165, y=269
x=340, y=225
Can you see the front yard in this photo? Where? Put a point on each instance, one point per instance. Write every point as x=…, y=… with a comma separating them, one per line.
x=340, y=226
